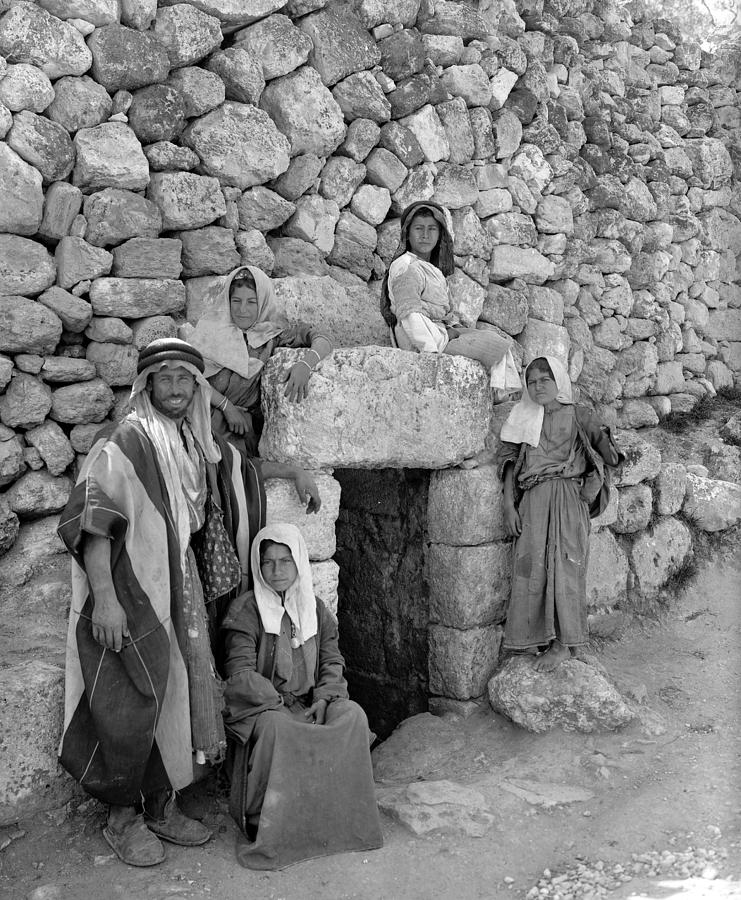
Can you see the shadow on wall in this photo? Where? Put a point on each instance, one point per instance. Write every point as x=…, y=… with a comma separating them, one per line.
x=383, y=603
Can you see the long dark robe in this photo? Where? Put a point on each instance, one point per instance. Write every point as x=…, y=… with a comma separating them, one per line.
x=127, y=720
x=307, y=789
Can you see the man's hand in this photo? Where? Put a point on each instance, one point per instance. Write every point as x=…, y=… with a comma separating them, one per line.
x=239, y=422
x=317, y=712
x=512, y=523
x=296, y=382
x=109, y=624
x=307, y=491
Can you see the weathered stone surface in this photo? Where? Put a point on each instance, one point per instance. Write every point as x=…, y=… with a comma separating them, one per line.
x=114, y=363
x=305, y=112
x=462, y=662
x=109, y=329
x=300, y=176
x=153, y=328
x=519, y=262
x=348, y=314
x=469, y=82
x=241, y=74
x=79, y=103
x=544, y=339
x=43, y=144
x=20, y=188
x=157, y=113
x=318, y=529
x=465, y=507
x=138, y=14
x=37, y=494
x=81, y=404
x=114, y=216
x=142, y=257
x=377, y=12
x=325, y=576
x=263, y=209
x=187, y=33
x=451, y=18
x=292, y=256
x=77, y=261
x=469, y=586
x=62, y=204
x=200, y=89
x=73, y=312
x=31, y=778
x=444, y=417
x=575, y=697
x=12, y=467
x=235, y=13
x=66, y=370
x=208, y=250
x=634, y=509
x=26, y=267
x=276, y=44
x=254, y=250
x=361, y=137
x=341, y=45
x=438, y=807
x=314, y=221
x=354, y=244
x=418, y=746
x=712, y=505
x=402, y=54
x=642, y=460
x=385, y=170
x=427, y=128
x=340, y=179
x=53, y=446
x=95, y=12
x=109, y=155
x=24, y=87
x=239, y=144
x=136, y=298
x=506, y=308
x=125, y=59
x=607, y=570
x=658, y=553
x=637, y=414
x=164, y=156
x=25, y=403
x=670, y=486
x=360, y=96
x=29, y=34
x=82, y=437
x=371, y=204
x=27, y=326
x=186, y=200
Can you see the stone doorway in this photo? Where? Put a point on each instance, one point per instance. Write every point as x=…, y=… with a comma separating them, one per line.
x=383, y=608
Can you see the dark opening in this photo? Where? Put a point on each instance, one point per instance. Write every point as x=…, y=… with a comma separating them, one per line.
x=383, y=602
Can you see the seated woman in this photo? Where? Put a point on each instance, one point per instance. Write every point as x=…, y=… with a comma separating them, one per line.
x=237, y=334
x=302, y=781
x=415, y=301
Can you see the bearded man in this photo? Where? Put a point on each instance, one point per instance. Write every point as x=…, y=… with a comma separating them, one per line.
x=143, y=699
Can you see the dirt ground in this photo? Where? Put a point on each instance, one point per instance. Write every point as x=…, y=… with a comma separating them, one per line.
x=668, y=782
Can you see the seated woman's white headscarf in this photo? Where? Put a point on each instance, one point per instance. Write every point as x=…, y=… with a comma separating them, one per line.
x=300, y=602
x=220, y=341
x=525, y=422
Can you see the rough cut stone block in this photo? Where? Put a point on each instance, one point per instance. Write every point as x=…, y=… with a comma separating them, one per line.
x=469, y=586
x=712, y=505
x=79, y=103
x=53, y=446
x=519, y=262
x=12, y=466
x=109, y=329
x=642, y=460
x=208, y=250
x=38, y=494
x=114, y=363
x=187, y=33
x=24, y=87
x=341, y=45
x=135, y=298
x=241, y=74
x=360, y=96
x=201, y=90
x=634, y=509
x=43, y=144
x=22, y=193
x=26, y=267
x=462, y=662
x=318, y=529
x=74, y=312
x=62, y=203
x=375, y=408
x=66, y=370
x=124, y=59
x=31, y=780
x=25, y=403
x=151, y=329
x=544, y=339
x=79, y=261
x=657, y=554
x=574, y=697
x=240, y=144
x=81, y=404
x=669, y=488
x=109, y=155
x=186, y=200
x=607, y=570
x=464, y=507
x=325, y=576
x=27, y=326
x=277, y=44
x=157, y=113
x=142, y=257
x=29, y=34
x=305, y=112
x=114, y=216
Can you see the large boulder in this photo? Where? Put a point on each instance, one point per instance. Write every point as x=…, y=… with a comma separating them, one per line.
x=109, y=155
x=22, y=193
x=29, y=34
x=305, y=112
x=239, y=144
x=712, y=505
x=465, y=507
x=574, y=696
x=375, y=408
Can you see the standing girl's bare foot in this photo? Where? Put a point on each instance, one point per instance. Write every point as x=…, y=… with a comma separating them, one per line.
x=552, y=657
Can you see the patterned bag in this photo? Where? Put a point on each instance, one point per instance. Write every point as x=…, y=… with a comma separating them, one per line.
x=218, y=565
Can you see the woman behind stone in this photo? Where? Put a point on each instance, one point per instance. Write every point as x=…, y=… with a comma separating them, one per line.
x=552, y=462
x=415, y=301
x=302, y=782
x=237, y=334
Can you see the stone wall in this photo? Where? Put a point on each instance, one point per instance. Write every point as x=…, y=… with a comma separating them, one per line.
x=591, y=161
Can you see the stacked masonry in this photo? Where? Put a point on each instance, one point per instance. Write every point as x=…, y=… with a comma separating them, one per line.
x=591, y=162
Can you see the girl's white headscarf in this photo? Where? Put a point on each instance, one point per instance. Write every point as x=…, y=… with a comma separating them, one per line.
x=181, y=467
x=220, y=341
x=300, y=602
x=525, y=422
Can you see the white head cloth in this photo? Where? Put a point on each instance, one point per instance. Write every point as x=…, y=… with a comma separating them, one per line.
x=525, y=422
x=300, y=602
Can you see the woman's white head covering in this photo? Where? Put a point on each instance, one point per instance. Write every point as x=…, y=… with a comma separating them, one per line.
x=525, y=422
x=300, y=602
x=220, y=341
